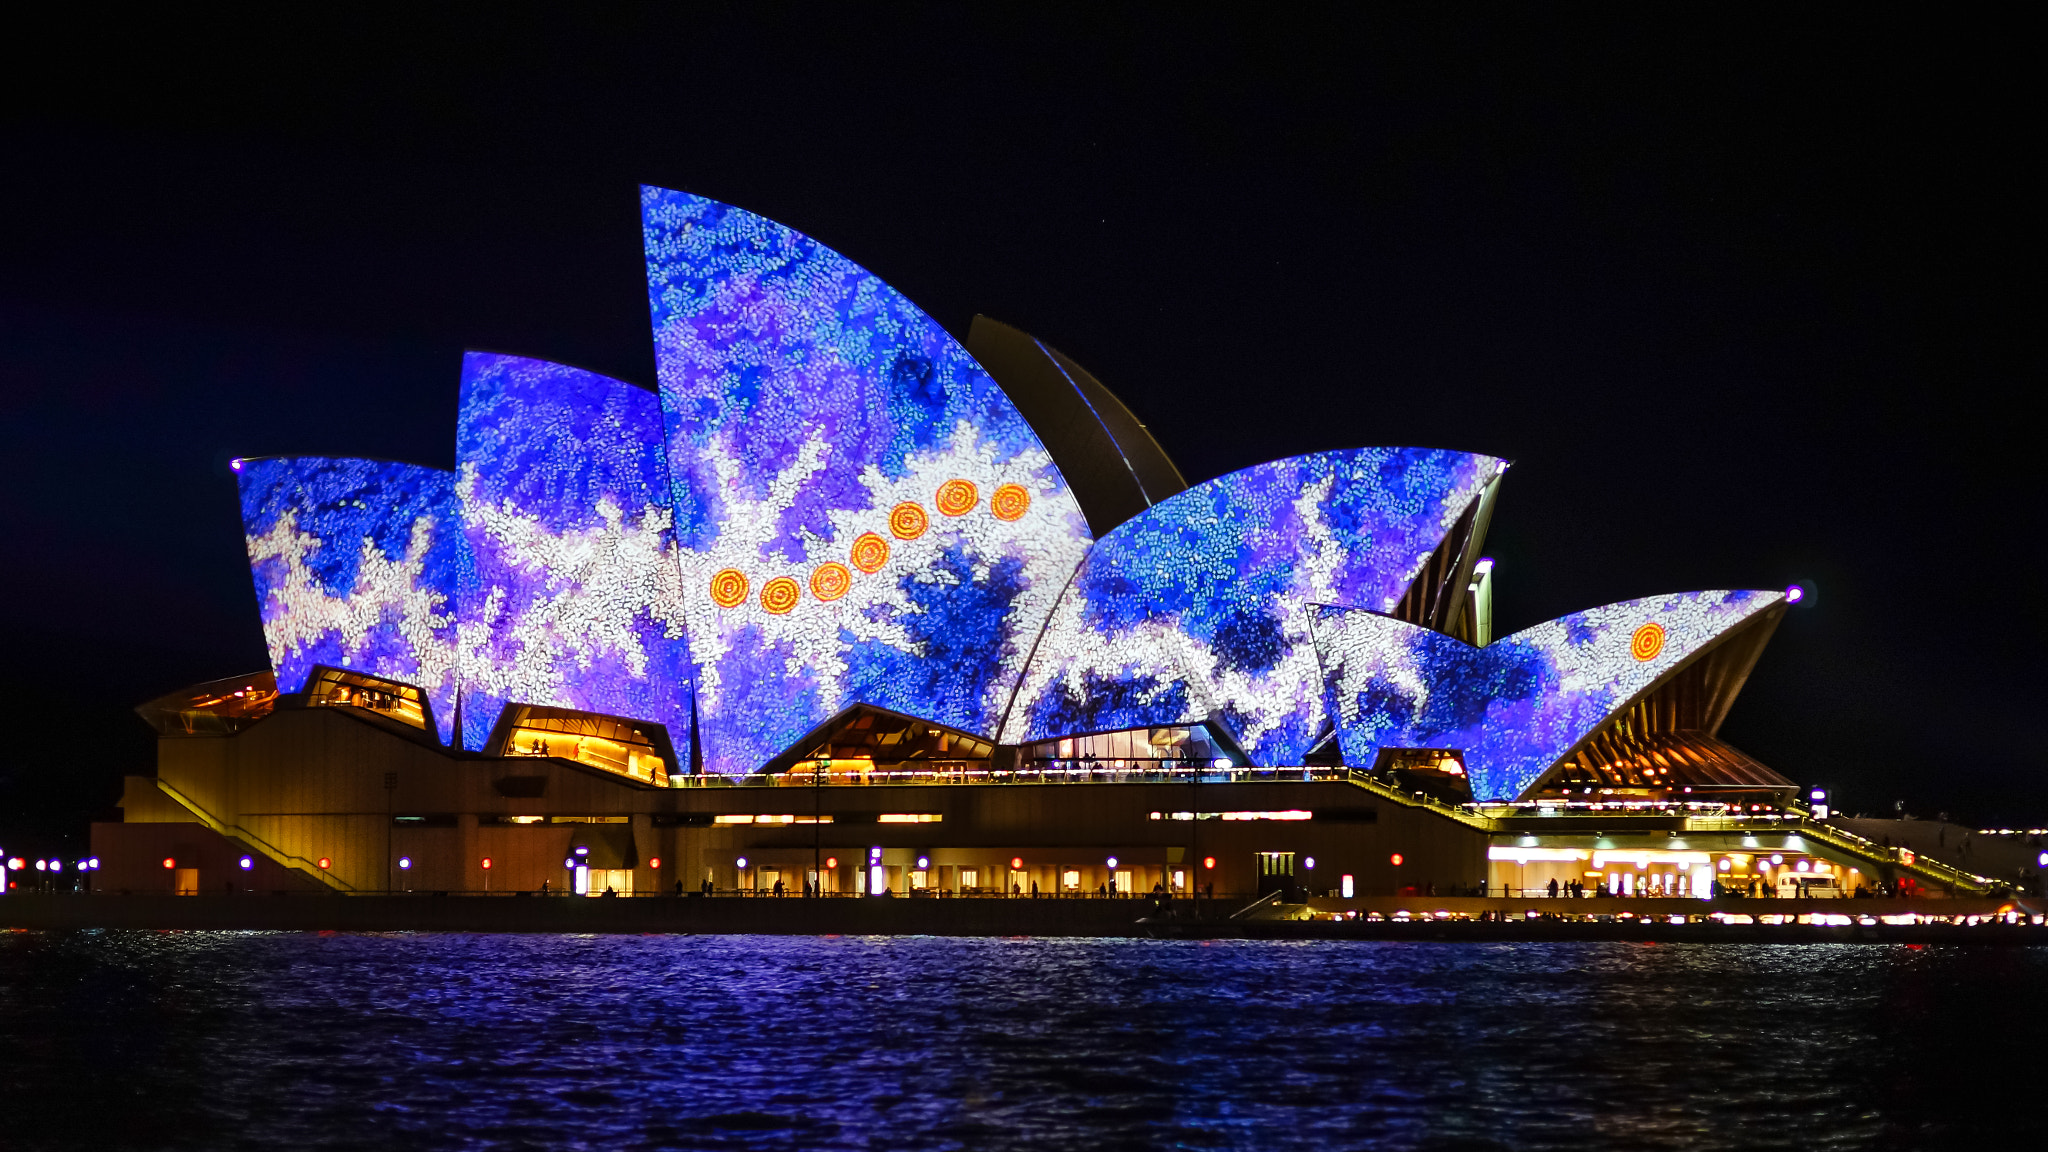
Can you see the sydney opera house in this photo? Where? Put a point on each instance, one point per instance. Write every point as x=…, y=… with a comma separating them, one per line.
x=844, y=605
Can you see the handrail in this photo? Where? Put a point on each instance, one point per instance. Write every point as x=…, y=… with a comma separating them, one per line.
x=1261, y=902
x=235, y=831
x=1927, y=866
x=1423, y=800
x=1100, y=774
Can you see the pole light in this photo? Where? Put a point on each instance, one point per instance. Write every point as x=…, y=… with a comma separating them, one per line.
x=818, y=771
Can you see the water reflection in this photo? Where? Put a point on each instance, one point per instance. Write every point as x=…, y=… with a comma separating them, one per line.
x=226, y=1040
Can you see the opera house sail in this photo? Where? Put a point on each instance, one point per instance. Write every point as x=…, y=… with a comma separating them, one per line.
x=832, y=545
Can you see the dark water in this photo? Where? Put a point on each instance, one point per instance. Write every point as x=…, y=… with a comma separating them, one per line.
x=295, y=1041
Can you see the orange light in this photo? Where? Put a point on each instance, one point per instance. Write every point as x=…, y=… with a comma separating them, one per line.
x=1010, y=502
x=780, y=595
x=907, y=521
x=830, y=580
x=1016, y=863
x=1647, y=642
x=870, y=552
x=729, y=588
x=1396, y=858
x=957, y=497
x=325, y=863
x=486, y=863
x=170, y=863
x=654, y=863
x=831, y=861
x=1208, y=861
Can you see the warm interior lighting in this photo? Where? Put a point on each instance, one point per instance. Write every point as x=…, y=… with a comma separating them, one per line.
x=336, y=688
x=909, y=818
x=1281, y=814
x=1644, y=857
x=1525, y=855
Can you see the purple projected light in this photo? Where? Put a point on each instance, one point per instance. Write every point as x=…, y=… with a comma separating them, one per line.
x=1517, y=705
x=1794, y=594
x=356, y=564
x=862, y=516
x=572, y=599
x=1195, y=609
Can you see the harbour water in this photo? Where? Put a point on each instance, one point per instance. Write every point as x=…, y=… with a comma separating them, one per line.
x=196, y=1040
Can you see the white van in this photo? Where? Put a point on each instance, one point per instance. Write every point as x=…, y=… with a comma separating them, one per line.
x=1809, y=886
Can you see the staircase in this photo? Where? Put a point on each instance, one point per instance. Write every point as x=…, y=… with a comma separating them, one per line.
x=243, y=836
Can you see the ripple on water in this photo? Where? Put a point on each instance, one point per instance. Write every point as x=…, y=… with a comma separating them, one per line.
x=276, y=1040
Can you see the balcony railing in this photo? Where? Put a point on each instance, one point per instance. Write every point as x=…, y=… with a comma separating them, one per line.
x=1052, y=772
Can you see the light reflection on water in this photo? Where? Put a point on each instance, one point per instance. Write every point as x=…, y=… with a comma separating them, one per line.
x=286, y=1040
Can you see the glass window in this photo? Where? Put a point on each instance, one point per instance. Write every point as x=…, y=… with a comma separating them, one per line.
x=334, y=688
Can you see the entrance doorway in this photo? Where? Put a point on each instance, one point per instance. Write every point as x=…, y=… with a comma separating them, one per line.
x=1276, y=872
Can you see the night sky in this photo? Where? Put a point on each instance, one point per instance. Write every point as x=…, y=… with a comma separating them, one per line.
x=1749, y=302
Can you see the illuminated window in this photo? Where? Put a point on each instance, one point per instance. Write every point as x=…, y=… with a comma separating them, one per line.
x=1070, y=880
x=1276, y=814
x=909, y=818
x=217, y=707
x=1276, y=863
x=1135, y=749
x=619, y=880
x=333, y=688
x=627, y=747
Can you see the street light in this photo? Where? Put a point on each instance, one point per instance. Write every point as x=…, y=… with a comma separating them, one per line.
x=818, y=771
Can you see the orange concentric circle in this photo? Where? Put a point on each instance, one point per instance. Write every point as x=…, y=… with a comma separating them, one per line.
x=1010, y=502
x=957, y=497
x=870, y=552
x=907, y=521
x=1647, y=642
x=830, y=580
x=729, y=588
x=780, y=595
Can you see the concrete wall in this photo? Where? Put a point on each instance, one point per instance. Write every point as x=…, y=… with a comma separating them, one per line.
x=311, y=783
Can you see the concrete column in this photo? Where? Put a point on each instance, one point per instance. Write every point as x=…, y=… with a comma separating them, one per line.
x=468, y=850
